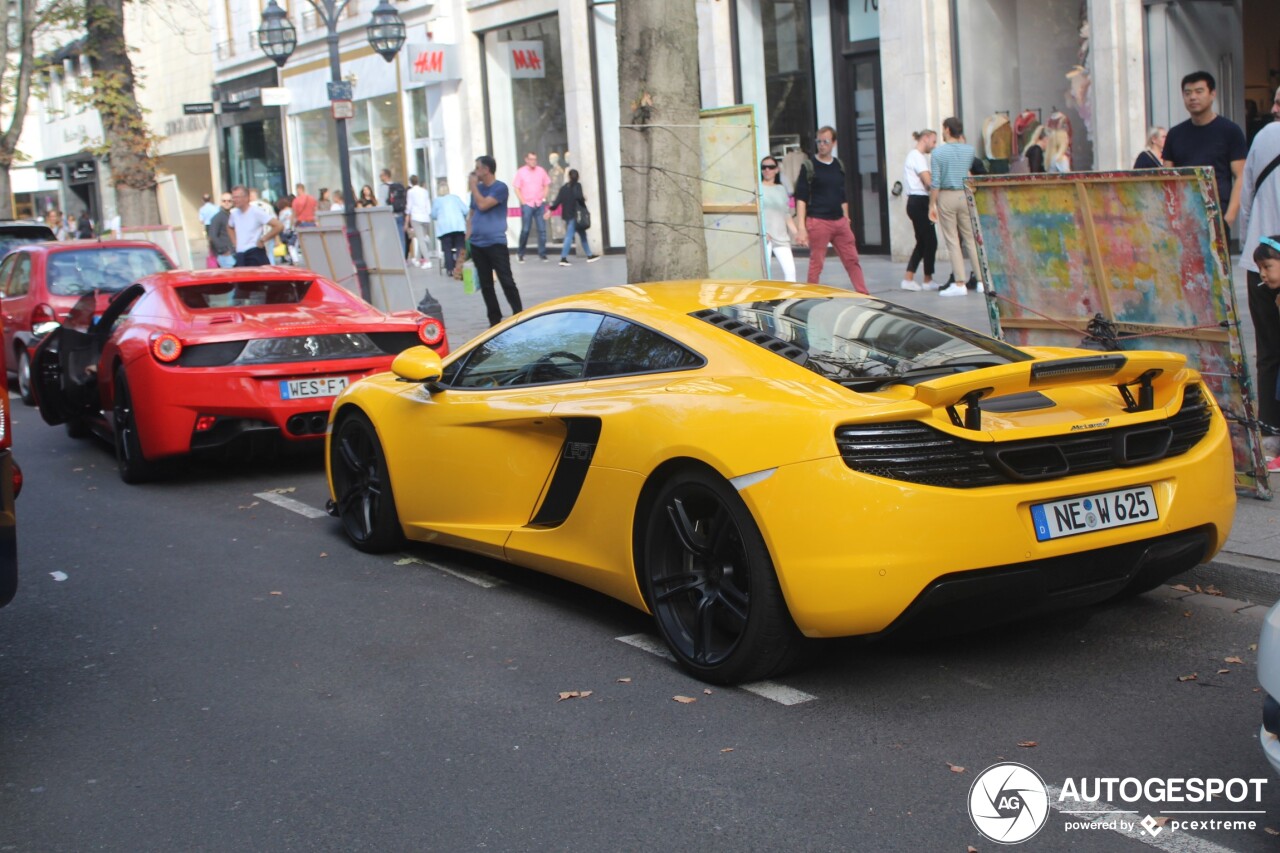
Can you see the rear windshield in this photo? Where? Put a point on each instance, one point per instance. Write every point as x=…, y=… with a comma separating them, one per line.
x=104, y=268
x=241, y=294
x=859, y=341
x=13, y=236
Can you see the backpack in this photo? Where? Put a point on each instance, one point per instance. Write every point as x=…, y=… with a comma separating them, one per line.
x=396, y=196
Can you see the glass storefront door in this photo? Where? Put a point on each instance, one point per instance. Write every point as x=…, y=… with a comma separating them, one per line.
x=864, y=164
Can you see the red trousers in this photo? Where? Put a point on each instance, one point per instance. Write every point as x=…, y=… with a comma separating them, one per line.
x=837, y=233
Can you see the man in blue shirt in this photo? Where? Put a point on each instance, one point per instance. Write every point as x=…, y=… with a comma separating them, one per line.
x=207, y=210
x=487, y=232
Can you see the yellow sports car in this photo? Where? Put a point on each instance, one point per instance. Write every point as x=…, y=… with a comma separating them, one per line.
x=757, y=463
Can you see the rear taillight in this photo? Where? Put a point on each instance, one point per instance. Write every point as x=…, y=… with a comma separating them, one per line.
x=166, y=348
x=6, y=440
x=43, y=313
x=17, y=478
x=431, y=331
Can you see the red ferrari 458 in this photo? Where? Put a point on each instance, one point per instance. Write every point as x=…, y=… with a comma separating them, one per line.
x=186, y=362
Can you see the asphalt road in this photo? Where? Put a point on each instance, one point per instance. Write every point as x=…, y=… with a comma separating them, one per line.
x=189, y=666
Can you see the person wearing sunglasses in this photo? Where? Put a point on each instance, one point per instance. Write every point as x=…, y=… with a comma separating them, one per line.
x=822, y=212
x=222, y=250
x=779, y=226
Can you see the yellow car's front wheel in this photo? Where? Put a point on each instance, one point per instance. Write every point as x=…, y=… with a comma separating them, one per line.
x=708, y=578
x=361, y=485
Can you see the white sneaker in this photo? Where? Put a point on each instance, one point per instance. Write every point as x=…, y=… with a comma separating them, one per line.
x=954, y=290
x=907, y=284
x=980, y=288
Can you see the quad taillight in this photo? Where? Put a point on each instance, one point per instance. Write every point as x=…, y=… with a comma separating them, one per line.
x=166, y=348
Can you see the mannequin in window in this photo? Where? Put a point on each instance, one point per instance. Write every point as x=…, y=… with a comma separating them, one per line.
x=556, y=173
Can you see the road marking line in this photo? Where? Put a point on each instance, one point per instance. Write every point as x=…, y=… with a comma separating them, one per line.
x=480, y=579
x=1167, y=840
x=771, y=690
x=290, y=504
x=780, y=693
x=647, y=643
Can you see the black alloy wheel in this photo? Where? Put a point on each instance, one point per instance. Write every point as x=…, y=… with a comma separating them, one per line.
x=133, y=466
x=710, y=583
x=362, y=486
x=24, y=377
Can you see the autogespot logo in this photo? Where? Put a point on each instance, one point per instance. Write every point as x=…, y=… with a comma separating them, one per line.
x=1008, y=803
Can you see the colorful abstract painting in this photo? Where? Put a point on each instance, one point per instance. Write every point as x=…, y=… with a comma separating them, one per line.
x=1136, y=258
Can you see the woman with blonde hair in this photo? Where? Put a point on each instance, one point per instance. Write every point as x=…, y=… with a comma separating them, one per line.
x=1058, y=151
x=918, y=181
x=1033, y=152
x=1150, y=158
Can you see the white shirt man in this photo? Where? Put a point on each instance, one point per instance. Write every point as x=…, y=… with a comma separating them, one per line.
x=251, y=230
x=417, y=206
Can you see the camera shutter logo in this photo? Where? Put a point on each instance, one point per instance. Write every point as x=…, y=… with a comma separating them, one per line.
x=1008, y=803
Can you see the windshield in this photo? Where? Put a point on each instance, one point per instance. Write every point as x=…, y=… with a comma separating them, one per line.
x=851, y=341
x=102, y=268
x=13, y=236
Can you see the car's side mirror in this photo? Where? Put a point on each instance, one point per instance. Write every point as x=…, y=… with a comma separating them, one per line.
x=418, y=364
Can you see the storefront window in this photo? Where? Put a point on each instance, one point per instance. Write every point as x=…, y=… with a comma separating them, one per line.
x=386, y=142
x=317, y=137
x=788, y=65
x=864, y=20
x=525, y=59
x=254, y=157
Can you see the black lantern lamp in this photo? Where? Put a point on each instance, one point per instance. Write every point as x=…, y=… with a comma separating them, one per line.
x=276, y=35
x=386, y=30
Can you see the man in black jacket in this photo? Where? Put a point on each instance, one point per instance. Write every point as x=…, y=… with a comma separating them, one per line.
x=221, y=249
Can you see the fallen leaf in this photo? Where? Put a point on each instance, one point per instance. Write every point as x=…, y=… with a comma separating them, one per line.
x=77, y=469
x=1233, y=659
x=971, y=849
x=283, y=491
x=1223, y=671
x=1182, y=587
x=274, y=592
x=1253, y=647
x=707, y=691
x=323, y=554
x=1028, y=744
x=955, y=768
x=624, y=680
x=406, y=561
x=1161, y=821
x=1269, y=831
x=727, y=749
x=1191, y=677
x=573, y=694
x=1212, y=590
x=248, y=506
x=1186, y=613
x=1198, y=589
x=684, y=700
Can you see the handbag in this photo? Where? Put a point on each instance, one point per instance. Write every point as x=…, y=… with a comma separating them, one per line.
x=583, y=218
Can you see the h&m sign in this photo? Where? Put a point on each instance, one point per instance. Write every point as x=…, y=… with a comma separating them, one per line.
x=528, y=59
x=433, y=63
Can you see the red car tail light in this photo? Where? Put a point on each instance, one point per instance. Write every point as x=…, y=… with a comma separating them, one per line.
x=204, y=423
x=166, y=348
x=431, y=331
x=43, y=313
x=17, y=478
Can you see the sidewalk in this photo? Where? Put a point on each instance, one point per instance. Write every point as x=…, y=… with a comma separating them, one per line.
x=1248, y=568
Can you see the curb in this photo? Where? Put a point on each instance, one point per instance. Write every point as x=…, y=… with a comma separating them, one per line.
x=1238, y=576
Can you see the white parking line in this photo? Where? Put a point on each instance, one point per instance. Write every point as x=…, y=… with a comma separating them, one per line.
x=1131, y=827
x=290, y=504
x=771, y=690
x=480, y=579
x=780, y=693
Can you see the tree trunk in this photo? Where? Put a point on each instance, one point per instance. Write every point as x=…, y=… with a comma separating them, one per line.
x=16, y=105
x=660, y=96
x=129, y=142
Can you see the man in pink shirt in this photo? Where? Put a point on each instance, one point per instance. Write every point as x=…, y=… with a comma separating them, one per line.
x=304, y=207
x=531, y=184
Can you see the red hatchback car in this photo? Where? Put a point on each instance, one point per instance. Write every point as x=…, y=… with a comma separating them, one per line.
x=41, y=283
x=185, y=362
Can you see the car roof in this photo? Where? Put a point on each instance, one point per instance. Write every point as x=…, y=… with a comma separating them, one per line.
x=82, y=245
x=686, y=297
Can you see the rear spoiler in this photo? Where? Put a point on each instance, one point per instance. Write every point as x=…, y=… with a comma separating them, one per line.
x=1147, y=370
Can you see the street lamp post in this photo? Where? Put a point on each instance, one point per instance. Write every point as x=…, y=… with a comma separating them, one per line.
x=277, y=38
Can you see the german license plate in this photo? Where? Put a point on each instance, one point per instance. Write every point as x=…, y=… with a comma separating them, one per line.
x=324, y=386
x=1086, y=514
